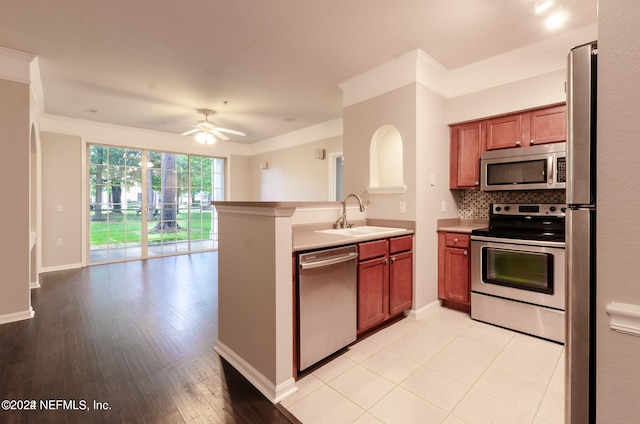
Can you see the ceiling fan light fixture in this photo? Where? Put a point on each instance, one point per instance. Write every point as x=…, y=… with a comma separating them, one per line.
x=556, y=19
x=205, y=137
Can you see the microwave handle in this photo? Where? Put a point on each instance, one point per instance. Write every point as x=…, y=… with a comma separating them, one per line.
x=550, y=161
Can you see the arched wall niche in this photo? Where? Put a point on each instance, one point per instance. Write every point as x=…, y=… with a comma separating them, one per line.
x=386, y=171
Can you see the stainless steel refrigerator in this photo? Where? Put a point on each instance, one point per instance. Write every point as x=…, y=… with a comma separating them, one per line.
x=580, y=335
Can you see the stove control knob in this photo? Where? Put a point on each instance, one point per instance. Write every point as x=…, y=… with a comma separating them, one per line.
x=507, y=208
x=563, y=210
x=498, y=208
x=552, y=208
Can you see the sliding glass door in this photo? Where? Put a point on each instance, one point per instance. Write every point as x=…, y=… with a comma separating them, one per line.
x=115, y=181
x=172, y=203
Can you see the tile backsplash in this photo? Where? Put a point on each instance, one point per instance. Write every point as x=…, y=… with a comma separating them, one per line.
x=474, y=204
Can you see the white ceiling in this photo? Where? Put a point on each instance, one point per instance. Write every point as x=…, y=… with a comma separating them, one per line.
x=151, y=63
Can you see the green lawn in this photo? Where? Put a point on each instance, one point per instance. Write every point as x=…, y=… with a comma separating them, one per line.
x=126, y=229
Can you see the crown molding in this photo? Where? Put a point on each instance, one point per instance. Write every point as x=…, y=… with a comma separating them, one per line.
x=14, y=65
x=411, y=67
x=519, y=64
x=306, y=135
x=418, y=67
x=36, y=86
x=119, y=135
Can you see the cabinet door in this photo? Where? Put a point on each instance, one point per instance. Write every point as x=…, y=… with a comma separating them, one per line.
x=504, y=132
x=467, y=143
x=547, y=125
x=456, y=275
x=373, y=292
x=400, y=282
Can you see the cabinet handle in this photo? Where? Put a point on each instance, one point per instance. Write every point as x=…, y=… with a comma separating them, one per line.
x=465, y=253
x=531, y=142
x=477, y=183
x=393, y=259
x=386, y=261
x=455, y=240
x=518, y=143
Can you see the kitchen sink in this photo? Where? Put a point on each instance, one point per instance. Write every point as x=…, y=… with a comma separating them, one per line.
x=365, y=230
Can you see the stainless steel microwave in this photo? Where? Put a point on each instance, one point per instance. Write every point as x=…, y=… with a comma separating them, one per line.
x=541, y=167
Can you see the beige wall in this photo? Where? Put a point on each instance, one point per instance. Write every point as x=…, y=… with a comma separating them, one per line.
x=432, y=190
x=294, y=173
x=618, y=229
x=62, y=177
x=419, y=115
x=361, y=121
x=238, y=186
x=14, y=174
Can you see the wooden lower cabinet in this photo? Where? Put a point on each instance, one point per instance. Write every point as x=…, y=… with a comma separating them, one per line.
x=454, y=271
x=385, y=280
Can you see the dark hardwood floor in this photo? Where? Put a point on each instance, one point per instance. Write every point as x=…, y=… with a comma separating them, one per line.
x=136, y=336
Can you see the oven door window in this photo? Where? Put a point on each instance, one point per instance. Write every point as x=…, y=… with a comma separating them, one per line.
x=521, y=172
x=519, y=269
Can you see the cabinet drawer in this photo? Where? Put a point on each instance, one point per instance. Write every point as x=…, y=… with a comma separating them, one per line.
x=457, y=240
x=372, y=249
x=400, y=244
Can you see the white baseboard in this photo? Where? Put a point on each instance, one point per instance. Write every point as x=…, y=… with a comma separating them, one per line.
x=275, y=393
x=61, y=267
x=17, y=316
x=426, y=311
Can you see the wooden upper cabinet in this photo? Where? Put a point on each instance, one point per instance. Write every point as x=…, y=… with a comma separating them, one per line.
x=504, y=132
x=540, y=126
x=547, y=125
x=467, y=143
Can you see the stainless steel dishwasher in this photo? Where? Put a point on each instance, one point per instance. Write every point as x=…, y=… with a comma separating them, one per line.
x=327, y=308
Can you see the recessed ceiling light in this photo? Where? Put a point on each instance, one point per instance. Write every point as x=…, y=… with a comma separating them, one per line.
x=556, y=19
x=543, y=5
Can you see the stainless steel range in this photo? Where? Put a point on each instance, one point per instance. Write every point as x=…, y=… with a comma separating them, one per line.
x=518, y=269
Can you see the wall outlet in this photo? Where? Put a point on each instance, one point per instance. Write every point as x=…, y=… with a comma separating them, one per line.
x=59, y=242
x=402, y=207
x=444, y=206
x=59, y=208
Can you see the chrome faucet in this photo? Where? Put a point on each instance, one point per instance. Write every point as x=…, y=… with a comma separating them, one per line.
x=342, y=221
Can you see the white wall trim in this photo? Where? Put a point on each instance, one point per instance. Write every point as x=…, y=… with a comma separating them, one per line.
x=306, y=135
x=430, y=310
x=119, y=135
x=387, y=77
x=275, y=393
x=36, y=86
x=14, y=65
x=61, y=267
x=34, y=285
x=17, y=316
x=417, y=66
x=518, y=64
x=625, y=318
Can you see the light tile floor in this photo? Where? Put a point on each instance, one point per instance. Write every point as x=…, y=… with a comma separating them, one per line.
x=445, y=368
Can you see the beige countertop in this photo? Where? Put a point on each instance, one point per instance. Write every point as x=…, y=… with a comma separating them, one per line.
x=309, y=240
x=461, y=225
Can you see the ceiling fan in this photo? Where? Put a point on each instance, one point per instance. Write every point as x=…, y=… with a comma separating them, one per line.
x=206, y=132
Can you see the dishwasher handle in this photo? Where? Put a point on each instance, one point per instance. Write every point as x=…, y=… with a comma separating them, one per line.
x=330, y=261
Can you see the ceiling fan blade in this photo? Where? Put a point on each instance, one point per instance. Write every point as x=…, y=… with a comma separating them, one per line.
x=219, y=135
x=230, y=131
x=191, y=131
